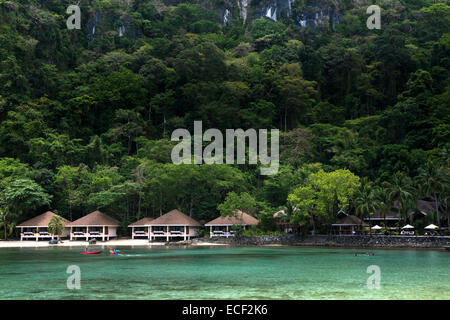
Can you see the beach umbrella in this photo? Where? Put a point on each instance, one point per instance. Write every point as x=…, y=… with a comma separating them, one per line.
x=431, y=227
x=376, y=227
x=408, y=226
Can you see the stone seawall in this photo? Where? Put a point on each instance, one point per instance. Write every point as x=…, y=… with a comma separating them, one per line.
x=336, y=241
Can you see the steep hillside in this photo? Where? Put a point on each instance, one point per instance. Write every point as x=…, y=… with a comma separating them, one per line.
x=86, y=115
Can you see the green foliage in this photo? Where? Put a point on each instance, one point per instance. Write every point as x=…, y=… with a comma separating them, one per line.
x=56, y=226
x=267, y=222
x=233, y=202
x=85, y=119
x=321, y=195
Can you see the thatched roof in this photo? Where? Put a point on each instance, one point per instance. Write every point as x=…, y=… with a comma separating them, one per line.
x=425, y=206
x=391, y=215
x=241, y=218
x=142, y=222
x=174, y=218
x=42, y=220
x=349, y=221
x=95, y=218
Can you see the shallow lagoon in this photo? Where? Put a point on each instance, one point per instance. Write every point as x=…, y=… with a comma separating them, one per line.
x=224, y=273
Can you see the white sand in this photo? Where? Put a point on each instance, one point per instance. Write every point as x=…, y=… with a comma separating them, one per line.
x=82, y=244
x=209, y=244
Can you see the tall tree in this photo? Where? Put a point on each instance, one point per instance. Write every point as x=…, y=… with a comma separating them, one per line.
x=365, y=199
x=56, y=226
x=401, y=189
x=433, y=180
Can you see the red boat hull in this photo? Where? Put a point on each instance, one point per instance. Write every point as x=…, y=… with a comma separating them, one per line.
x=92, y=252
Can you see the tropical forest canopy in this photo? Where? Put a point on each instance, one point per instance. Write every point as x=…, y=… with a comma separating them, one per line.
x=86, y=115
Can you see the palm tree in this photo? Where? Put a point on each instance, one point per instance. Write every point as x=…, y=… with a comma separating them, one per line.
x=384, y=201
x=401, y=189
x=433, y=180
x=365, y=200
x=56, y=226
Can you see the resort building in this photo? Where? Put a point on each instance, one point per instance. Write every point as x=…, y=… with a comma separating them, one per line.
x=283, y=222
x=141, y=228
x=173, y=225
x=37, y=227
x=423, y=208
x=393, y=220
x=94, y=225
x=221, y=226
x=349, y=224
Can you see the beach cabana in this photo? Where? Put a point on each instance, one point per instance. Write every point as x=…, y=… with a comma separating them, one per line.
x=431, y=227
x=376, y=228
x=349, y=225
x=141, y=228
x=37, y=227
x=94, y=225
x=221, y=226
x=407, y=227
x=172, y=225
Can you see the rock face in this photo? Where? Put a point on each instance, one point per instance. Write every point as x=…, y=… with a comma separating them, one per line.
x=338, y=241
x=306, y=13
x=309, y=13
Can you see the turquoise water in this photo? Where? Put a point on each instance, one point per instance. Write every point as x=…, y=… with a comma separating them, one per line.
x=224, y=273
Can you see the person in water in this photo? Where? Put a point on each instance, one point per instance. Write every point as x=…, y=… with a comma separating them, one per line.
x=114, y=251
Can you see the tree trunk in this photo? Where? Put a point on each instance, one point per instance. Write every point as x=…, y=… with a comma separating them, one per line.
x=285, y=119
x=437, y=210
x=4, y=228
x=192, y=203
x=164, y=126
x=139, y=205
x=314, y=225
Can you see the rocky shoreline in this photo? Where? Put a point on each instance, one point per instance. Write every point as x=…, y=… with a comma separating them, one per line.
x=363, y=241
x=374, y=241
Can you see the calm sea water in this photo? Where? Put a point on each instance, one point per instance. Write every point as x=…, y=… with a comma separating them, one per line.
x=224, y=273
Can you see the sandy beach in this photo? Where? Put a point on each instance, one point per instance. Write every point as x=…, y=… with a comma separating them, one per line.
x=110, y=243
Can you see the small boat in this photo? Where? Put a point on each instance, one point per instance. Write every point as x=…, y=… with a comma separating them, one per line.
x=91, y=252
